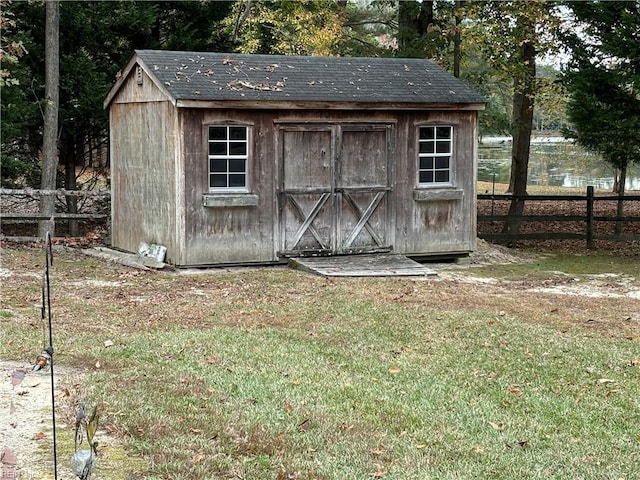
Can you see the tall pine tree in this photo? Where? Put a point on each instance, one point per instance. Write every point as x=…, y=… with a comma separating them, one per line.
x=603, y=79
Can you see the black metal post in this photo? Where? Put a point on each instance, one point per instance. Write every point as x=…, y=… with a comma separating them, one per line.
x=49, y=350
x=590, y=196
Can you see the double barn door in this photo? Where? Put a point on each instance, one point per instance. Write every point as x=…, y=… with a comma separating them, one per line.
x=334, y=189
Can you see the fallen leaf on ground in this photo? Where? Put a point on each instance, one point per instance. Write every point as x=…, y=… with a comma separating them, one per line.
x=304, y=425
x=198, y=458
x=515, y=390
x=498, y=426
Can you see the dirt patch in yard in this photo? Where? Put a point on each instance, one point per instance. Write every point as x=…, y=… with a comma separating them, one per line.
x=27, y=423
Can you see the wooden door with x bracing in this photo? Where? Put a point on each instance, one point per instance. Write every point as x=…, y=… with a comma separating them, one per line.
x=334, y=189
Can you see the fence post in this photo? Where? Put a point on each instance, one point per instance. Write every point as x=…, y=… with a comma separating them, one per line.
x=590, y=197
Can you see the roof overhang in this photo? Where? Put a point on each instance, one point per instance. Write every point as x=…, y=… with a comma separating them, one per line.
x=318, y=105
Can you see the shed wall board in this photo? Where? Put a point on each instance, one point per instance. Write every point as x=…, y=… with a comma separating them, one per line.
x=441, y=219
x=234, y=230
x=134, y=92
x=142, y=175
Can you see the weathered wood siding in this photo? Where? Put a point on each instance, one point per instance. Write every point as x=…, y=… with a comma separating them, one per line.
x=161, y=195
x=230, y=228
x=139, y=87
x=143, y=169
x=433, y=221
x=246, y=228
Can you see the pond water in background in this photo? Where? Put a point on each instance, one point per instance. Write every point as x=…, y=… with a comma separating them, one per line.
x=553, y=161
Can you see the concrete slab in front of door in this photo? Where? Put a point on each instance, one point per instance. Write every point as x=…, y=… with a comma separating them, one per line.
x=370, y=265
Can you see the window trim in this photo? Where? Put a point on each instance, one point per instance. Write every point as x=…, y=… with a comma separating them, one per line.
x=247, y=158
x=451, y=154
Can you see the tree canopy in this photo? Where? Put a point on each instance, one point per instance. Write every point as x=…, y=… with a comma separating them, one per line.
x=491, y=45
x=96, y=40
x=510, y=36
x=603, y=79
x=305, y=27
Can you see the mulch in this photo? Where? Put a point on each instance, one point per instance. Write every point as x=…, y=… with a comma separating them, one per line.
x=566, y=208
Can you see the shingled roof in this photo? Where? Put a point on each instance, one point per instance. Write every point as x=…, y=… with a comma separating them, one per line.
x=200, y=76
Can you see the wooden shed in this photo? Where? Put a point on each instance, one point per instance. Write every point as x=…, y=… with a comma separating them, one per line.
x=240, y=159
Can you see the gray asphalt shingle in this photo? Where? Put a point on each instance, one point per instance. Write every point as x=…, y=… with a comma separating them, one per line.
x=232, y=76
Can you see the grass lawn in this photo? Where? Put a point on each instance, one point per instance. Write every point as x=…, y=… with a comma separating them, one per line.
x=277, y=374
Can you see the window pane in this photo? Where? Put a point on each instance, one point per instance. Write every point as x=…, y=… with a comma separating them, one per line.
x=426, y=147
x=217, y=148
x=426, y=177
x=442, y=176
x=217, y=133
x=443, y=132
x=435, y=154
x=236, y=165
x=237, y=133
x=237, y=148
x=426, y=163
x=236, y=181
x=443, y=147
x=442, y=163
x=228, y=156
x=217, y=165
x=426, y=133
x=217, y=181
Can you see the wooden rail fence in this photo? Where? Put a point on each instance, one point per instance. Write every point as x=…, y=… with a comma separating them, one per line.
x=28, y=195
x=587, y=218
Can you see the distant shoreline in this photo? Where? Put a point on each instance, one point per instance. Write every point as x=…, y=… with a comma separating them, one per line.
x=507, y=139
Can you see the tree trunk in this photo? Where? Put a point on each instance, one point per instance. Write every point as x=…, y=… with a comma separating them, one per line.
x=457, y=40
x=413, y=22
x=522, y=124
x=524, y=90
x=622, y=179
x=50, y=131
x=240, y=21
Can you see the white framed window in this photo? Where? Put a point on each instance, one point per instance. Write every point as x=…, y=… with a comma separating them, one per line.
x=228, y=156
x=435, y=155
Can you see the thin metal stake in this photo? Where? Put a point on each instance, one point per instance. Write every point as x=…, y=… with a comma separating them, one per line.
x=49, y=349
